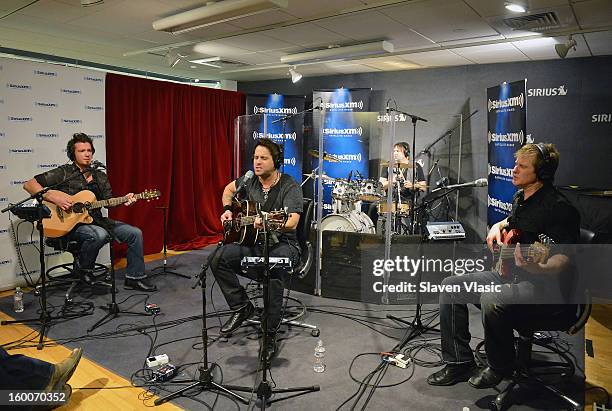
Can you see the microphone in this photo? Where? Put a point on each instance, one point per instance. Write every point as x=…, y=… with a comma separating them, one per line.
x=481, y=182
x=350, y=176
x=387, y=108
x=247, y=176
x=94, y=165
x=359, y=175
x=442, y=182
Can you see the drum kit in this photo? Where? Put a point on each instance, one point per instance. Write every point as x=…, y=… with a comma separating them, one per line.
x=348, y=195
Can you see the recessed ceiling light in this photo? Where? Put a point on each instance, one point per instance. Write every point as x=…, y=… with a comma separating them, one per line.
x=516, y=6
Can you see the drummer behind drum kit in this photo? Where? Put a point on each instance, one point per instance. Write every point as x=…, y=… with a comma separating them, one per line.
x=348, y=195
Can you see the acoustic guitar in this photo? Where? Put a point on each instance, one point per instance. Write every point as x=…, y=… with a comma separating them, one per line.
x=62, y=222
x=241, y=230
x=503, y=257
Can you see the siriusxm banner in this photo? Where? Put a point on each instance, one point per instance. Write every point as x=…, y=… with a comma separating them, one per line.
x=346, y=135
x=506, y=133
x=42, y=105
x=287, y=133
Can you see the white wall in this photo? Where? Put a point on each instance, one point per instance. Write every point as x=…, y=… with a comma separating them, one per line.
x=41, y=106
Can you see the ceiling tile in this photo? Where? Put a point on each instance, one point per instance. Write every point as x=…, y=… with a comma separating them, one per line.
x=594, y=13
x=306, y=35
x=491, y=53
x=600, y=43
x=363, y=26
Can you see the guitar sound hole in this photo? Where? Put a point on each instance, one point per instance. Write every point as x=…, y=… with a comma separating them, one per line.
x=78, y=207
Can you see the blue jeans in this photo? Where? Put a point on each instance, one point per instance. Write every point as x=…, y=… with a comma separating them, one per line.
x=92, y=238
x=19, y=372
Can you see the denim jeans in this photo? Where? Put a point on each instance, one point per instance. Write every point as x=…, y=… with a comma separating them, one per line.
x=92, y=238
x=502, y=313
x=19, y=372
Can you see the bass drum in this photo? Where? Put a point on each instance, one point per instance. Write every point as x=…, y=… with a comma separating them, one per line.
x=353, y=222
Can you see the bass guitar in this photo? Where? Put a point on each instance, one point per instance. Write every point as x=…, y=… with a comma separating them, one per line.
x=503, y=257
x=62, y=222
x=240, y=228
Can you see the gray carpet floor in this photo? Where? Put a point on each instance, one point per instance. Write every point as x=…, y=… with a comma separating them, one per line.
x=353, y=334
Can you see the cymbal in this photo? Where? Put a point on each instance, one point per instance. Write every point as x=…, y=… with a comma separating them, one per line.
x=326, y=156
x=323, y=177
x=396, y=165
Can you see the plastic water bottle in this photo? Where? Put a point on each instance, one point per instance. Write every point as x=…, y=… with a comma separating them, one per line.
x=319, y=355
x=18, y=300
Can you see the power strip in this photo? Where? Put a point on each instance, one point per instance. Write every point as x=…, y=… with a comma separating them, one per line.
x=157, y=360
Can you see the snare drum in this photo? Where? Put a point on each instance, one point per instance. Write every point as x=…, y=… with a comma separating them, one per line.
x=404, y=209
x=353, y=222
x=370, y=190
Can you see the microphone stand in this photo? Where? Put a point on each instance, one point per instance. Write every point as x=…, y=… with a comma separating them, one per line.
x=264, y=389
x=284, y=120
x=164, y=267
x=45, y=317
x=205, y=380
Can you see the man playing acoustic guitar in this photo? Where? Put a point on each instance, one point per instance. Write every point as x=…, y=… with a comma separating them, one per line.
x=273, y=191
x=92, y=237
x=538, y=209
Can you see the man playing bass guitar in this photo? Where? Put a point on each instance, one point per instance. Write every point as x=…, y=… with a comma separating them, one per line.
x=92, y=237
x=538, y=209
x=272, y=190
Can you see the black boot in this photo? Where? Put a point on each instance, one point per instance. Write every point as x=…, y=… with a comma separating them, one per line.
x=141, y=284
x=487, y=378
x=452, y=374
x=237, y=318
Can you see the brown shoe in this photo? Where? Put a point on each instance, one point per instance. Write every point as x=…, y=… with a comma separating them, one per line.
x=62, y=371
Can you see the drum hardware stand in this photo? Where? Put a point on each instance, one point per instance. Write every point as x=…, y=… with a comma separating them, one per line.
x=205, y=380
x=38, y=213
x=164, y=267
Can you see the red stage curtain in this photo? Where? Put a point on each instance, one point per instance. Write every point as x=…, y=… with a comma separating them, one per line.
x=175, y=138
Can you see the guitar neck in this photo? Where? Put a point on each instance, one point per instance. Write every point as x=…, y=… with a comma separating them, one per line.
x=507, y=252
x=112, y=202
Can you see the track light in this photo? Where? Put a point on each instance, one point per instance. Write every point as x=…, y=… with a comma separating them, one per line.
x=517, y=6
x=87, y=3
x=340, y=53
x=173, y=58
x=295, y=76
x=563, y=48
x=215, y=13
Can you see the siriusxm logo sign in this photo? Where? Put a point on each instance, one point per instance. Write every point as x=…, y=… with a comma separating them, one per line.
x=275, y=110
x=15, y=86
x=18, y=182
x=290, y=161
x=506, y=137
x=345, y=158
x=94, y=108
x=47, y=166
x=46, y=135
x=275, y=136
x=496, y=203
x=94, y=136
x=601, y=118
x=386, y=118
x=45, y=104
x=94, y=79
x=20, y=150
x=71, y=121
x=45, y=73
x=343, y=131
x=327, y=206
x=518, y=101
x=20, y=119
x=346, y=105
x=547, y=92
x=70, y=91
x=499, y=171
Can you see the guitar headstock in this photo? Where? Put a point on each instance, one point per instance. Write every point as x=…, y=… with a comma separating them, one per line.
x=152, y=194
x=544, y=239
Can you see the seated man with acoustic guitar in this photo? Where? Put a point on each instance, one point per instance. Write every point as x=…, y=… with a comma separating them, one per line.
x=273, y=191
x=92, y=236
x=538, y=210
